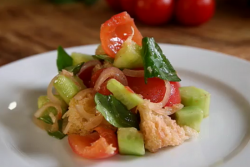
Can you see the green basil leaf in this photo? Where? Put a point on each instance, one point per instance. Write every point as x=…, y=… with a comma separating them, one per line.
x=74, y=69
x=58, y=134
x=104, y=57
x=155, y=62
x=115, y=112
x=63, y=59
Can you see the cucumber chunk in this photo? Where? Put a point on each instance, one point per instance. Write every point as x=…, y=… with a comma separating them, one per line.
x=191, y=116
x=123, y=94
x=66, y=87
x=129, y=56
x=192, y=96
x=42, y=100
x=79, y=58
x=130, y=141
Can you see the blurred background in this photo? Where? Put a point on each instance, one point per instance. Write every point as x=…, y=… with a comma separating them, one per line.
x=29, y=27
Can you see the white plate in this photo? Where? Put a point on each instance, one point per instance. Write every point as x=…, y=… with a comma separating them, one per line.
x=224, y=136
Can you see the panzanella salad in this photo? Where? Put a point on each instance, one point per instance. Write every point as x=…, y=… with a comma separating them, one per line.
x=124, y=99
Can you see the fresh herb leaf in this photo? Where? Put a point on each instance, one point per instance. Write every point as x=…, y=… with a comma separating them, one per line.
x=104, y=57
x=58, y=134
x=63, y=59
x=74, y=69
x=115, y=112
x=155, y=62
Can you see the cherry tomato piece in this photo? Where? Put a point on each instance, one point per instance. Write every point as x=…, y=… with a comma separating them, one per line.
x=154, y=12
x=116, y=30
x=154, y=90
x=114, y=4
x=194, y=12
x=175, y=97
x=128, y=6
x=103, y=89
x=98, y=145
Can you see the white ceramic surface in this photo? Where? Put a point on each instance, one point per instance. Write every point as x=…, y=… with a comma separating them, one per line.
x=224, y=136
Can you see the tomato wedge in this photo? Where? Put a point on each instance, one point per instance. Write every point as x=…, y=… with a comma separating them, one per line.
x=103, y=90
x=175, y=97
x=116, y=30
x=98, y=145
x=155, y=89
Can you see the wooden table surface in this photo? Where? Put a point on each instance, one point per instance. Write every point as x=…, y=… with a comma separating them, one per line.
x=34, y=28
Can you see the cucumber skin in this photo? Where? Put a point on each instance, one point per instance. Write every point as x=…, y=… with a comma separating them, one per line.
x=192, y=96
x=130, y=141
x=42, y=100
x=191, y=116
x=129, y=56
x=66, y=88
x=80, y=58
x=129, y=99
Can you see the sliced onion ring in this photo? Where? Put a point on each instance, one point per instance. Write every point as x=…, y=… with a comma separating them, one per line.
x=83, y=113
x=93, y=122
x=39, y=112
x=50, y=94
x=167, y=94
x=88, y=64
x=133, y=73
x=111, y=72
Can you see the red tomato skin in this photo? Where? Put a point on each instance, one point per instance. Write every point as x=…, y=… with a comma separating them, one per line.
x=114, y=4
x=103, y=89
x=116, y=30
x=85, y=76
x=129, y=6
x=95, y=145
x=154, y=90
x=194, y=12
x=154, y=12
x=175, y=97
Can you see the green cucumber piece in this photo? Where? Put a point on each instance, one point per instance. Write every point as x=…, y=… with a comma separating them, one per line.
x=124, y=95
x=42, y=100
x=192, y=96
x=104, y=57
x=191, y=116
x=130, y=141
x=129, y=56
x=66, y=87
x=79, y=58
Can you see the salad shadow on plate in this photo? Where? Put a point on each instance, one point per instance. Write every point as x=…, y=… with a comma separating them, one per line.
x=26, y=140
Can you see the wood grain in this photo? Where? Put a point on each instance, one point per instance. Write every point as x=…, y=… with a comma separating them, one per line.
x=35, y=28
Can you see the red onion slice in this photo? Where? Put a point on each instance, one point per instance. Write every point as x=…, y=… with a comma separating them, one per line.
x=50, y=94
x=167, y=94
x=111, y=72
x=133, y=73
x=39, y=112
x=90, y=63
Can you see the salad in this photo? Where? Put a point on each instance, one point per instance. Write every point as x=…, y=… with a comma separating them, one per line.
x=124, y=99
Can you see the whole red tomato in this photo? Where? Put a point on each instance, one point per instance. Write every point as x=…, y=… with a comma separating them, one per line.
x=194, y=12
x=154, y=12
x=114, y=4
x=129, y=6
